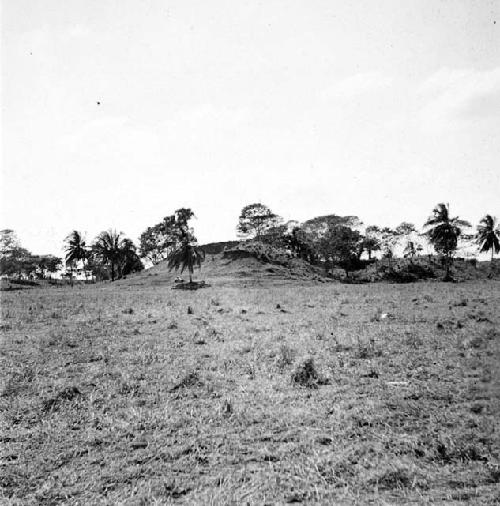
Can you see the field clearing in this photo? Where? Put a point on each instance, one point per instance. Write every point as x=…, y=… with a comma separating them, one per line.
x=123, y=394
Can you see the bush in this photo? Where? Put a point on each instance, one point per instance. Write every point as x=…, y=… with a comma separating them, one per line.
x=24, y=282
x=421, y=271
x=400, y=276
x=408, y=273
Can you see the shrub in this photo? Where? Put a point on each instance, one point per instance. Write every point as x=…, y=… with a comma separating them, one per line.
x=286, y=356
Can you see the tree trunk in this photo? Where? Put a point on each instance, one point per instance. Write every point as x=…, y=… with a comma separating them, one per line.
x=112, y=271
x=448, y=264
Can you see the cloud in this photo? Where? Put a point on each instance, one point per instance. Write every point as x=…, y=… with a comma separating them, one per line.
x=358, y=84
x=455, y=98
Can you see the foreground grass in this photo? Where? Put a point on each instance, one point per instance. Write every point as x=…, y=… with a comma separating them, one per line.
x=115, y=394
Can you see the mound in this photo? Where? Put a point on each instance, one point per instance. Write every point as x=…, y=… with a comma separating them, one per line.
x=257, y=264
x=248, y=264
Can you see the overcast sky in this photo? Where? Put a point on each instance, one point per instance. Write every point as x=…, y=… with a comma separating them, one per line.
x=117, y=112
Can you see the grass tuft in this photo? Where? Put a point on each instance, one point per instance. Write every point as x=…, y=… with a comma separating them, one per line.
x=67, y=394
x=306, y=375
x=188, y=381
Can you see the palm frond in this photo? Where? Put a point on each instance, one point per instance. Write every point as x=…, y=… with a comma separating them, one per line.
x=185, y=257
x=487, y=236
x=76, y=248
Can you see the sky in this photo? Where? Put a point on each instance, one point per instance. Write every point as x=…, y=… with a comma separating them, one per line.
x=115, y=113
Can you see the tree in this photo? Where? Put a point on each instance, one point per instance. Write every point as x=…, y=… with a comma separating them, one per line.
x=112, y=249
x=76, y=248
x=51, y=263
x=108, y=249
x=153, y=244
x=98, y=269
x=300, y=244
x=318, y=226
x=405, y=229
x=488, y=235
x=411, y=250
x=315, y=230
x=8, y=241
x=187, y=256
x=13, y=257
x=276, y=236
x=30, y=265
x=443, y=232
x=158, y=241
x=340, y=244
x=129, y=260
x=371, y=241
x=255, y=219
x=388, y=241
x=182, y=217
x=405, y=232
x=43, y=264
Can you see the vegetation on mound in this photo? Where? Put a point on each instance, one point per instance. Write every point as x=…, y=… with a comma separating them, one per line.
x=264, y=252
x=281, y=262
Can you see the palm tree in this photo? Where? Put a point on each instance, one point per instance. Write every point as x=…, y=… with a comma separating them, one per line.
x=443, y=232
x=187, y=257
x=129, y=259
x=488, y=235
x=108, y=247
x=76, y=248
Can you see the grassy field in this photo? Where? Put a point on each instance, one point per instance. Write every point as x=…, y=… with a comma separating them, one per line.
x=286, y=393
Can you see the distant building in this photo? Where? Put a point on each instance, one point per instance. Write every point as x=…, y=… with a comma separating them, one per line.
x=77, y=272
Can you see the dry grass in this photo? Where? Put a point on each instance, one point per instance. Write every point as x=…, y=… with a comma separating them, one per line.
x=117, y=395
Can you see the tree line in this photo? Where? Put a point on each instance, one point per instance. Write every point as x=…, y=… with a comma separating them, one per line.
x=110, y=256
x=337, y=241
x=331, y=240
x=15, y=260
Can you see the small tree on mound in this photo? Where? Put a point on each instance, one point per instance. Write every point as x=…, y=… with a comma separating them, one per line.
x=187, y=256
